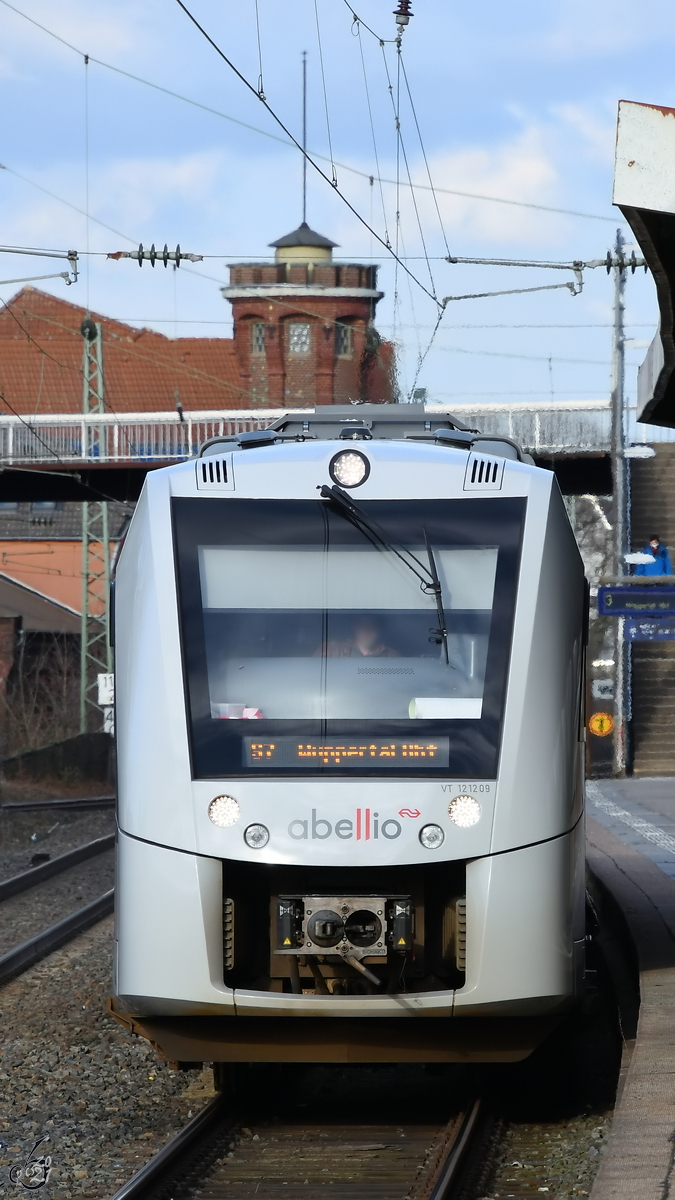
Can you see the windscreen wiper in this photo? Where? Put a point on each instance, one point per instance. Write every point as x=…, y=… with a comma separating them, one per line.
x=442, y=631
x=428, y=578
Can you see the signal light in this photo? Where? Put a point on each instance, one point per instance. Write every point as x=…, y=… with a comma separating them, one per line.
x=349, y=468
x=224, y=811
x=464, y=811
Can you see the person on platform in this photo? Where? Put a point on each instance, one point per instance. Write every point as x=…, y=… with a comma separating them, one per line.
x=661, y=564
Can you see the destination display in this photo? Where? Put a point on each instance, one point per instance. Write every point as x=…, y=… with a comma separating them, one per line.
x=397, y=753
x=636, y=601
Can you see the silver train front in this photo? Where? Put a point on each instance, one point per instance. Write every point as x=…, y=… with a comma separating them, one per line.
x=513, y=898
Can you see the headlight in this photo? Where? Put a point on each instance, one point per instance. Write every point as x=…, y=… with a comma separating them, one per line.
x=256, y=836
x=432, y=836
x=224, y=811
x=464, y=811
x=349, y=468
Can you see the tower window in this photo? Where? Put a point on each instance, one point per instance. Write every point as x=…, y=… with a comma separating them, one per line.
x=258, y=337
x=299, y=338
x=343, y=341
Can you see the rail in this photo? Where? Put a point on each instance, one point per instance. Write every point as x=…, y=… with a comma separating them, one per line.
x=550, y=428
x=27, y=953
x=59, y=803
x=47, y=870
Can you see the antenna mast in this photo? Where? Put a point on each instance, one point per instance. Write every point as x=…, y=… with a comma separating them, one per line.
x=304, y=136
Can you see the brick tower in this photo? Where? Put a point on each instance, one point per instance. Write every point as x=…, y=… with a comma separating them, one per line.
x=303, y=327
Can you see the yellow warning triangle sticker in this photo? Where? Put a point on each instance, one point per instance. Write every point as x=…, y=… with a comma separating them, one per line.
x=287, y=941
x=401, y=942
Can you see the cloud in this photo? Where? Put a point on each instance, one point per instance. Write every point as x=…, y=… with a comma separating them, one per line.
x=520, y=168
x=597, y=135
x=575, y=29
x=132, y=192
x=89, y=28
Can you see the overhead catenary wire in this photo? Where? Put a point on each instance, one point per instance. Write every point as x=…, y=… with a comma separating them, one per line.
x=378, y=175
x=285, y=141
x=261, y=87
x=361, y=21
x=406, y=258
x=296, y=143
x=183, y=368
x=422, y=356
x=587, y=362
x=424, y=153
x=401, y=151
x=325, y=98
x=86, y=169
x=61, y=200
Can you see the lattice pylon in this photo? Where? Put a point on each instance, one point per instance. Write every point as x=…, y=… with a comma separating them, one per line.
x=95, y=654
x=95, y=650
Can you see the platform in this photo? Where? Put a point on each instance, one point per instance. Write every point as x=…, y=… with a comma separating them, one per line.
x=631, y=849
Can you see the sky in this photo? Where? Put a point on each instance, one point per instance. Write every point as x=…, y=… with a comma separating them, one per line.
x=513, y=102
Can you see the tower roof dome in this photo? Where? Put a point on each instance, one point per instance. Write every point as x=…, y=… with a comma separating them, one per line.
x=303, y=236
x=303, y=245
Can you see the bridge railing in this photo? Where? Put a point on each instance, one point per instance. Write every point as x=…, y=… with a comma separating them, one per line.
x=111, y=438
x=550, y=428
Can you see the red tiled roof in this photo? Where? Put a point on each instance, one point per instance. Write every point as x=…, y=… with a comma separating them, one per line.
x=41, y=363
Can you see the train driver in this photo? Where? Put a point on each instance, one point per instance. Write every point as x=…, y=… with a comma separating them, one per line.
x=364, y=641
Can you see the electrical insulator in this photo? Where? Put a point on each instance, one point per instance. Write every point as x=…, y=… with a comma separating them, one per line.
x=166, y=256
x=403, y=14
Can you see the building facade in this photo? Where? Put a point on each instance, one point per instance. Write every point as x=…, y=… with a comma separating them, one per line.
x=304, y=330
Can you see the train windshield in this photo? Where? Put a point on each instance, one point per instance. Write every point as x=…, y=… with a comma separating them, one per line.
x=313, y=647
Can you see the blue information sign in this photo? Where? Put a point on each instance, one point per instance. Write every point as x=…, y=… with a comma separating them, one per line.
x=636, y=601
x=646, y=630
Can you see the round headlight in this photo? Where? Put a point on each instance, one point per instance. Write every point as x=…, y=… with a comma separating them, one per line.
x=224, y=811
x=432, y=836
x=256, y=836
x=464, y=811
x=349, y=468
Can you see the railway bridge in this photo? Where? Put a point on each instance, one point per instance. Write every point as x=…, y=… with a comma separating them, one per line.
x=74, y=456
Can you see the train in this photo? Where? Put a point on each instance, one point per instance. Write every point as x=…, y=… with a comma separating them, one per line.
x=349, y=709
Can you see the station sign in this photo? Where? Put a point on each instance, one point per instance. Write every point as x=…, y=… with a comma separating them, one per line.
x=649, y=630
x=636, y=601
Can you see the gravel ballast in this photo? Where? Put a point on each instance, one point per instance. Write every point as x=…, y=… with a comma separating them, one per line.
x=23, y=834
x=28, y=913
x=70, y=1071
x=558, y=1159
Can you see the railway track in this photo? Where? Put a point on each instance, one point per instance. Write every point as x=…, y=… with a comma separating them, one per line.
x=33, y=949
x=47, y=870
x=220, y=1156
x=58, y=804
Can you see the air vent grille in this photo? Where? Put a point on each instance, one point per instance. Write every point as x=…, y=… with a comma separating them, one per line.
x=460, y=934
x=484, y=473
x=228, y=933
x=214, y=473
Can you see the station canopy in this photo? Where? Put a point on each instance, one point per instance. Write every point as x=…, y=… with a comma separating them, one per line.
x=644, y=190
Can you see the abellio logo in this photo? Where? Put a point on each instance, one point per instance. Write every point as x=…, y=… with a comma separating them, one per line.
x=366, y=825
